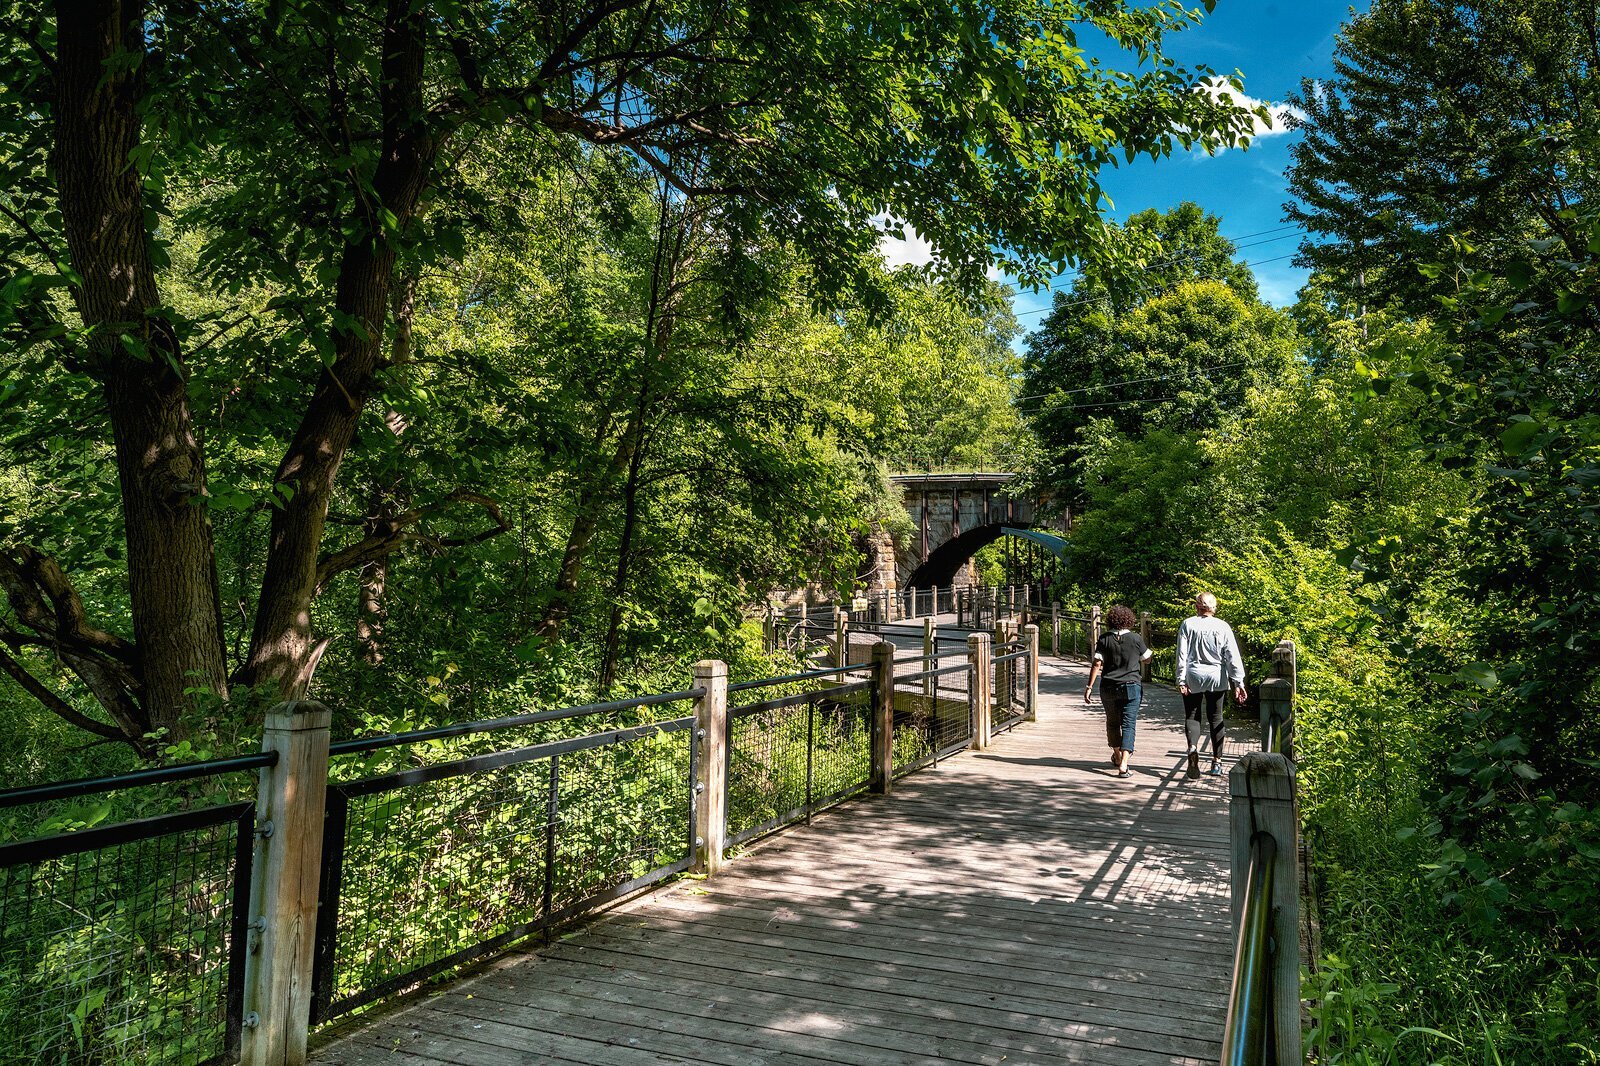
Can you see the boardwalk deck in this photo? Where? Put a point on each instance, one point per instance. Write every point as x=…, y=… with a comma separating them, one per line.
x=1018, y=905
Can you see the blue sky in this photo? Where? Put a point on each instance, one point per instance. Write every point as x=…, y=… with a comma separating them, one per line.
x=1273, y=45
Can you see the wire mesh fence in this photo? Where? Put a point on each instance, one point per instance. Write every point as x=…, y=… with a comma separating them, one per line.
x=429, y=868
x=932, y=712
x=1066, y=634
x=1009, y=686
x=125, y=943
x=792, y=755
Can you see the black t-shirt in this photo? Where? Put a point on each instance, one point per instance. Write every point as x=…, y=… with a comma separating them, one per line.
x=1120, y=655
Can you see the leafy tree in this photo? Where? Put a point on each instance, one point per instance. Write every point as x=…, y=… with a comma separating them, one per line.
x=1444, y=122
x=319, y=157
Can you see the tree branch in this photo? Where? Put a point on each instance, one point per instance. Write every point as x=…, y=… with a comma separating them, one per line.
x=392, y=534
x=56, y=705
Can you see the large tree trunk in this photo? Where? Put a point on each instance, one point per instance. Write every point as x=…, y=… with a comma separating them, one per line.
x=283, y=652
x=176, y=608
x=389, y=498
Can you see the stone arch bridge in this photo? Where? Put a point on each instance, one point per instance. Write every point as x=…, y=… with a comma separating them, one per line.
x=955, y=514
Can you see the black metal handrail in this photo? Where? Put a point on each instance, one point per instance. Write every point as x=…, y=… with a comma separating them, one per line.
x=89, y=786
x=804, y=675
x=489, y=725
x=1245, y=1037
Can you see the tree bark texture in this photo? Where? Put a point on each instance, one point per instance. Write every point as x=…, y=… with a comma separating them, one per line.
x=283, y=653
x=175, y=602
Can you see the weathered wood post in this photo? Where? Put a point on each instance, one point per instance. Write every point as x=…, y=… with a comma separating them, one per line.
x=1094, y=629
x=1283, y=661
x=711, y=774
x=1030, y=639
x=980, y=663
x=930, y=653
x=883, y=717
x=1055, y=629
x=1144, y=635
x=841, y=638
x=1262, y=800
x=291, y=807
x=1277, y=716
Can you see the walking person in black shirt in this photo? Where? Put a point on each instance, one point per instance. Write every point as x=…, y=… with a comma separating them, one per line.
x=1118, y=656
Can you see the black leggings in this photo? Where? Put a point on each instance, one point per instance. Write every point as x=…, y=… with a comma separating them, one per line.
x=1191, y=720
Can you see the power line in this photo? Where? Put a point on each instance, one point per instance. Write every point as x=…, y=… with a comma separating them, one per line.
x=1106, y=298
x=1077, y=272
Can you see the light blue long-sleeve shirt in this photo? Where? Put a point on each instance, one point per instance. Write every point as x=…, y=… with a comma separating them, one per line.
x=1208, y=655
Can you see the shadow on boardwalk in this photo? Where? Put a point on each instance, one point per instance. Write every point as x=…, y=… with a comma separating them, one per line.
x=1018, y=905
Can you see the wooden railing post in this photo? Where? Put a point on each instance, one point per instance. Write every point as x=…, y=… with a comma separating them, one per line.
x=981, y=663
x=1144, y=635
x=841, y=638
x=291, y=806
x=1030, y=637
x=1262, y=800
x=1283, y=661
x=1055, y=629
x=711, y=784
x=883, y=717
x=1277, y=715
x=1094, y=629
x=930, y=654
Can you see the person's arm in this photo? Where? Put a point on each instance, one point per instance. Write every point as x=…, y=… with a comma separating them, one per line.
x=1094, y=672
x=1183, y=657
x=1235, y=665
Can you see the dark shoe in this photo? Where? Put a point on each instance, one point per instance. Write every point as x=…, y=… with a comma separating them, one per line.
x=1124, y=773
x=1194, y=766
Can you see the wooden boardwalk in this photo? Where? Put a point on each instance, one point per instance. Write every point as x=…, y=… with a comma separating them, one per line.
x=1019, y=905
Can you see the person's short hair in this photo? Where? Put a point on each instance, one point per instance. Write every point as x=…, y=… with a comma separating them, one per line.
x=1207, y=600
x=1120, y=617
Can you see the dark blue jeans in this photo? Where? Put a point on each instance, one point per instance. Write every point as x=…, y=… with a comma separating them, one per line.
x=1122, y=701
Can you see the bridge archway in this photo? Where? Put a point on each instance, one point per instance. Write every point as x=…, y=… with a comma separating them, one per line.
x=955, y=515
x=945, y=561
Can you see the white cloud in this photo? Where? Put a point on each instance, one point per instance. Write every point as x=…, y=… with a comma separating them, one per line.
x=1282, y=114
x=911, y=250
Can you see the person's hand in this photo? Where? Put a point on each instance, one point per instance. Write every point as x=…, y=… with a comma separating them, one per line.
x=1183, y=689
x=1240, y=694
x=1086, y=697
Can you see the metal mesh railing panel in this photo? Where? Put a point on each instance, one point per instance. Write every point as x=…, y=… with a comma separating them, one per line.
x=116, y=945
x=768, y=758
x=1008, y=685
x=1070, y=637
x=430, y=869
x=794, y=754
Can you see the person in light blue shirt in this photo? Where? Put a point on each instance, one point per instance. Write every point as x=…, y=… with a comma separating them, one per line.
x=1208, y=665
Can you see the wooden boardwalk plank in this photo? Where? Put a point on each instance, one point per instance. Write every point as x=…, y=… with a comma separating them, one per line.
x=1018, y=905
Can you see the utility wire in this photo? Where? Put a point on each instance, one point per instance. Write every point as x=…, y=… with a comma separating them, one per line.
x=1075, y=273
x=1107, y=297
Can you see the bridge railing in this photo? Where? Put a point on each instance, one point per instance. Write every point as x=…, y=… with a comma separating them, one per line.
x=286, y=889
x=1263, y=1020
x=124, y=915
